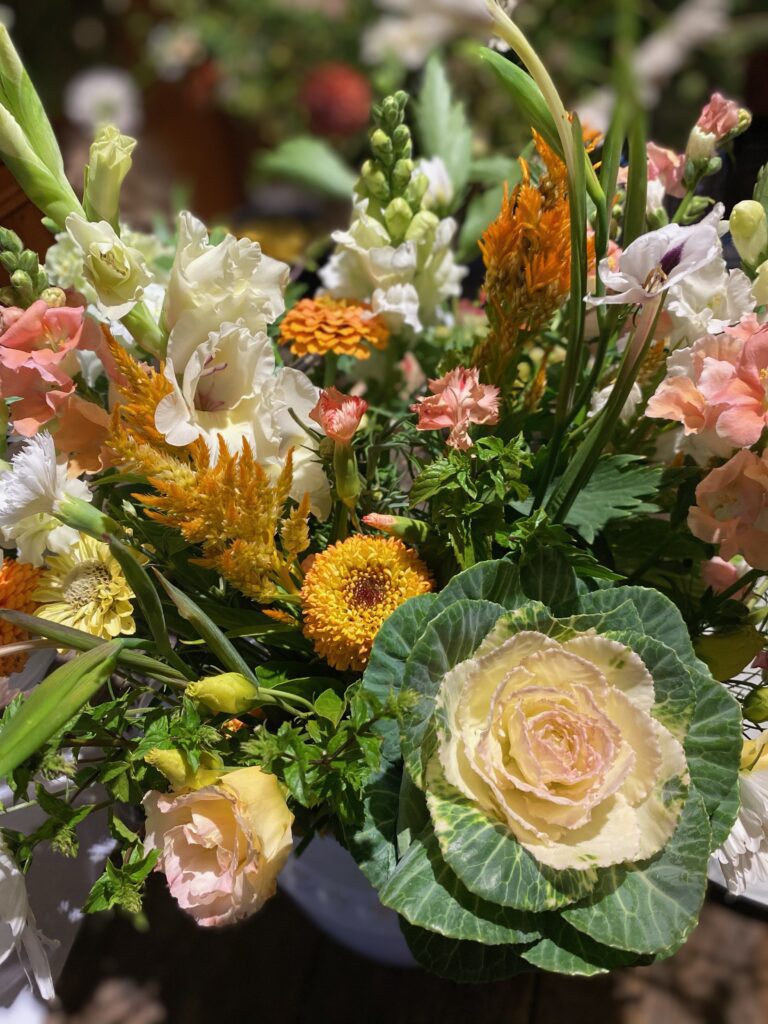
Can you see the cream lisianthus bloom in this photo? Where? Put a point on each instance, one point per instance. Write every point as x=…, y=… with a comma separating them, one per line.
x=743, y=857
x=116, y=271
x=214, y=284
x=557, y=742
x=406, y=284
x=229, y=387
x=222, y=846
x=31, y=490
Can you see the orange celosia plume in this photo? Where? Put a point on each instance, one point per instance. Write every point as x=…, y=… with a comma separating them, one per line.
x=527, y=256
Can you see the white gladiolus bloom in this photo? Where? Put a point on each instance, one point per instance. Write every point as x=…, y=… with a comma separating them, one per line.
x=658, y=260
x=743, y=857
x=229, y=386
x=17, y=926
x=30, y=492
x=406, y=284
x=708, y=302
x=211, y=285
x=117, y=272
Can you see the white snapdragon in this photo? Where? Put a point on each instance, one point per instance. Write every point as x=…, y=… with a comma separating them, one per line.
x=31, y=491
x=229, y=387
x=406, y=284
x=659, y=260
x=214, y=284
x=440, y=191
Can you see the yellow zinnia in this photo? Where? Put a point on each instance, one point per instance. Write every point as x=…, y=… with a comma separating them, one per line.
x=85, y=588
x=351, y=588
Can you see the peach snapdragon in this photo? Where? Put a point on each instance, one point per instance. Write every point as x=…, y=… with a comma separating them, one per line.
x=731, y=508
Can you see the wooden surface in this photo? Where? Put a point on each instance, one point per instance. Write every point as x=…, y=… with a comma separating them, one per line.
x=278, y=967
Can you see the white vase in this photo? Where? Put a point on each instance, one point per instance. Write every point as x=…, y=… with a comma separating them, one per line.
x=57, y=886
x=328, y=886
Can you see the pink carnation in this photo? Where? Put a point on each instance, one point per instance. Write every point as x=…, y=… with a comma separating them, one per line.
x=666, y=166
x=731, y=508
x=717, y=388
x=458, y=399
x=719, y=117
x=339, y=415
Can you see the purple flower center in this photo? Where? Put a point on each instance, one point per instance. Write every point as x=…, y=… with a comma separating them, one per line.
x=671, y=259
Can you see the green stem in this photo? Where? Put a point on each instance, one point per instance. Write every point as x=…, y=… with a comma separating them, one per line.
x=329, y=370
x=340, y=525
x=685, y=202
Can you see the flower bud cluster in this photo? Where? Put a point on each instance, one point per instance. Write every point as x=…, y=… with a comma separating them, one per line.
x=389, y=180
x=27, y=277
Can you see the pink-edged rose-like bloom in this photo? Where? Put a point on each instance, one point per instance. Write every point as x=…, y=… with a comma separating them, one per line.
x=719, y=117
x=731, y=508
x=222, y=846
x=339, y=415
x=458, y=399
x=718, y=388
x=666, y=166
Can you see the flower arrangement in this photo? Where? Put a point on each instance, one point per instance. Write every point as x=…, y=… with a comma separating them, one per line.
x=472, y=583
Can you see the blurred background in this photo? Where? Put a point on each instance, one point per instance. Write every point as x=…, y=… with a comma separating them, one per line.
x=254, y=113
x=215, y=88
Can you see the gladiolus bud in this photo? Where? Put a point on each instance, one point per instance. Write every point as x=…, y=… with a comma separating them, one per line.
x=229, y=693
x=176, y=768
x=109, y=163
x=749, y=230
x=413, y=531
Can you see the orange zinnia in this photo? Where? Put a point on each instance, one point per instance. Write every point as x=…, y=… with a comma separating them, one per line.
x=17, y=583
x=325, y=325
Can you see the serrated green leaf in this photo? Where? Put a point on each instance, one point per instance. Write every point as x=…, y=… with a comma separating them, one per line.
x=330, y=706
x=617, y=489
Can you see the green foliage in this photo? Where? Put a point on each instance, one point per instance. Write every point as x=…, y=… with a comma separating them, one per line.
x=311, y=162
x=122, y=886
x=472, y=494
x=442, y=124
x=327, y=761
x=616, y=490
x=470, y=895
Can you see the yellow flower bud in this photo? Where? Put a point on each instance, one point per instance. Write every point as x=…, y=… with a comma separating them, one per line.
x=749, y=230
x=177, y=769
x=109, y=162
x=229, y=693
x=760, y=284
x=754, y=753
